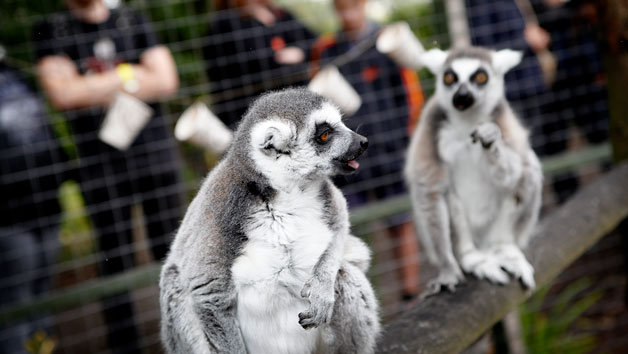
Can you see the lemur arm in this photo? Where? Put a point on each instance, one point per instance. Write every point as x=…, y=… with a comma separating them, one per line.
x=504, y=162
x=528, y=187
x=514, y=166
x=214, y=304
x=198, y=314
x=428, y=181
x=319, y=289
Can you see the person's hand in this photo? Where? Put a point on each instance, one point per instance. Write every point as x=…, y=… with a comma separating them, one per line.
x=536, y=37
x=260, y=12
x=289, y=55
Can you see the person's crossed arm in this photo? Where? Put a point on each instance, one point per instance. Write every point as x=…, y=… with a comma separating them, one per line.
x=155, y=75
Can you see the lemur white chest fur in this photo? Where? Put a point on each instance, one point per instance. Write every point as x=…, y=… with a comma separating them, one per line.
x=468, y=171
x=285, y=239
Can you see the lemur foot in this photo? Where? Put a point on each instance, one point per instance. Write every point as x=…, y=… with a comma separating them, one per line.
x=486, y=134
x=514, y=262
x=320, y=294
x=484, y=266
x=447, y=278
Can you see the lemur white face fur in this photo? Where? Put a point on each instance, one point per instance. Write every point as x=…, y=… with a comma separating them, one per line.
x=287, y=152
x=470, y=85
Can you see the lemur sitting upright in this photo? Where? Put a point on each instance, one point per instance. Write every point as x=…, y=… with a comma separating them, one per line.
x=474, y=181
x=263, y=261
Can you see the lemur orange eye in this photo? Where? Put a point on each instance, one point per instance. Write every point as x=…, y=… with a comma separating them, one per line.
x=323, y=133
x=481, y=78
x=449, y=78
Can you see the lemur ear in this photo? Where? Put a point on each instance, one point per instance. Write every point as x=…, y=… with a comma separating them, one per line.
x=434, y=59
x=272, y=136
x=506, y=59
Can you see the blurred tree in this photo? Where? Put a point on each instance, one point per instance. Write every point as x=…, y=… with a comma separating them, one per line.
x=614, y=24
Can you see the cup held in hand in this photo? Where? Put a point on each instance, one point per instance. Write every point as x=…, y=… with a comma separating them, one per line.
x=330, y=84
x=399, y=43
x=124, y=120
x=199, y=126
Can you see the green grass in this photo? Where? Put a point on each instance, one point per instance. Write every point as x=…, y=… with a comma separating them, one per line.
x=561, y=328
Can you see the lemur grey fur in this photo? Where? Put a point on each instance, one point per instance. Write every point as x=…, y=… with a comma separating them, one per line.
x=263, y=261
x=474, y=181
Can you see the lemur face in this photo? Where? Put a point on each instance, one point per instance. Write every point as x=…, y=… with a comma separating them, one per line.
x=318, y=145
x=470, y=79
x=467, y=82
x=336, y=147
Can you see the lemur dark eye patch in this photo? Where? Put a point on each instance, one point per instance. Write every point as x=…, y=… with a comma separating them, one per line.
x=323, y=133
x=480, y=77
x=449, y=77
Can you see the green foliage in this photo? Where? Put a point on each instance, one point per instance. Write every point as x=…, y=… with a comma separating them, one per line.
x=76, y=237
x=16, y=16
x=560, y=329
x=420, y=18
x=319, y=16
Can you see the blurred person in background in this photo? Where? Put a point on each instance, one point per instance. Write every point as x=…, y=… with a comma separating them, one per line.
x=575, y=95
x=85, y=57
x=579, y=90
x=500, y=24
x=253, y=46
x=391, y=102
x=32, y=166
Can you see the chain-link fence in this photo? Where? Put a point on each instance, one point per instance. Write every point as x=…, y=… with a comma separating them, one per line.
x=84, y=223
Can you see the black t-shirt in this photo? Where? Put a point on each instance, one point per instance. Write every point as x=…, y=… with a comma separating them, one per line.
x=240, y=59
x=95, y=47
x=122, y=38
x=382, y=117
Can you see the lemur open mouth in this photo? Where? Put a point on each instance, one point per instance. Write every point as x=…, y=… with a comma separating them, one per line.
x=353, y=164
x=349, y=164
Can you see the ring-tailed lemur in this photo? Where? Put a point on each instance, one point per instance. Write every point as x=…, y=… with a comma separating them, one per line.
x=474, y=181
x=263, y=261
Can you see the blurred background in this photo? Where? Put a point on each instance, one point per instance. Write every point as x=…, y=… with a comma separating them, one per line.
x=84, y=224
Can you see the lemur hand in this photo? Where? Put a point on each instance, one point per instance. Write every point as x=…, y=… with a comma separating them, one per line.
x=319, y=290
x=486, y=133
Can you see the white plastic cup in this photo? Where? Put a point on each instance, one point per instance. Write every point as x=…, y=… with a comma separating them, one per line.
x=199, y=126
x=124, y=120
x=330, y=84
x=399, y=43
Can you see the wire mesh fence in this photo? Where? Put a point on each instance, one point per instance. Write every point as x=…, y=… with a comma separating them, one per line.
x=85, y=224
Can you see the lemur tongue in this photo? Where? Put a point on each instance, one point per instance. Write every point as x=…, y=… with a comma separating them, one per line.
x=353, y=164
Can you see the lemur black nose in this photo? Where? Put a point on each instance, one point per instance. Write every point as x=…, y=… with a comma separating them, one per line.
x=364, y=143
x=463, y=98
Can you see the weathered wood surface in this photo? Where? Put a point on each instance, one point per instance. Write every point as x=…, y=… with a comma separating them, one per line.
x=449, y=322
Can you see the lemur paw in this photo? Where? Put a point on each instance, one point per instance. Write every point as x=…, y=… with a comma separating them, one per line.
x=447, y=278
x=484, y=266
x=486, y=133
x=320, y=294
x=514, y=262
